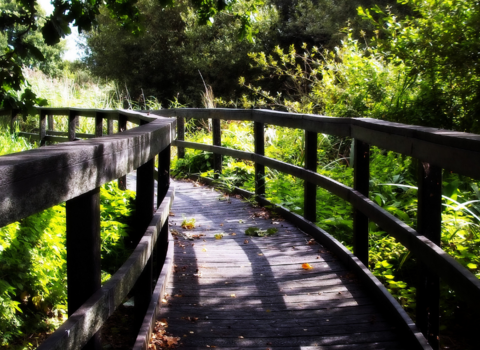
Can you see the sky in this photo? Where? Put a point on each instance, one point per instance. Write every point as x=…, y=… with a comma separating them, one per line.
x=73, y=52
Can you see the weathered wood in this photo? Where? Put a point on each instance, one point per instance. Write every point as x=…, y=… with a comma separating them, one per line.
x=429, y=224
x=42, y=128
x=99, y=124
x=361, y=181
x=72, y=124
x=248, y=285
x=181, y=135
x=51, y=123
x=310, y=190
x=259, y=135
x=88, y=319
x=163, y=177
x=217, y=141
x=83, y=252
x=13, y=117
x=110, y=126
x=122, y=127
x=34, y=180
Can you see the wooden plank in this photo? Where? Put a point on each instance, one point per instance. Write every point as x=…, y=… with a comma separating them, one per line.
x=38, y=179
x=181, y=135
x=429, y=224
x=122, y=127
x=83, y=253
x=310, y=190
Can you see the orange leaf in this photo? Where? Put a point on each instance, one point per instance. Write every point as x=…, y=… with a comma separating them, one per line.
x=307, y=266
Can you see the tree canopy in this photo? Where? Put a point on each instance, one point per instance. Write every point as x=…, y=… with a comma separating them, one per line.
x=24, y=19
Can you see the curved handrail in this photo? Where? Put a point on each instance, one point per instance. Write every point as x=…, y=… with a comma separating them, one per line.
x=435, y=148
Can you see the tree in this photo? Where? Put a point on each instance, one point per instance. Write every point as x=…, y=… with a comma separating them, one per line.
x=81, y=14
x=166, y=60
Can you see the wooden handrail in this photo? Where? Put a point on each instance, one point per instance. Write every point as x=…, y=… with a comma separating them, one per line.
x=435, y=149
x=73, y=172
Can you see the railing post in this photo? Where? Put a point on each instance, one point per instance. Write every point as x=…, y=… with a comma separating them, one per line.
x=259, y=135
x=109, y=126
x=42, y=127
x=99, y=124
x=122, y=126
x=181, y=136
x=217, y=141
x=163, y=181
x=51, y=123
x=144, y=212
x=361, y=173
x=83, y=252
x=310, y=190
x=72, y=125
x=13, y=117
x=429, y=224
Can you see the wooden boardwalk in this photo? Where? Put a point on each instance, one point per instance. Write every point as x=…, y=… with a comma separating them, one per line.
x=252, y=292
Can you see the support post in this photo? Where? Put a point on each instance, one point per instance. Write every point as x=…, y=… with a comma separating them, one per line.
x=163, y=181
x=310, y=190
x=12, y=120
x=42, y=127
x=99, y=124
x=122, y=126
x=83, y=252
x=109, y=126
x=51, y=123
x=72, y=125
x=361, y=184
x=429, y=224
x=259, y=135
x=181, y=136
x=217, y=141
x=144, y=212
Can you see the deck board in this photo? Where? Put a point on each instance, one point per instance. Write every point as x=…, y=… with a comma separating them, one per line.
x=252, y=292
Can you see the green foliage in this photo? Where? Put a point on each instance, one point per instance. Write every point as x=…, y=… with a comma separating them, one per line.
x=165, y=60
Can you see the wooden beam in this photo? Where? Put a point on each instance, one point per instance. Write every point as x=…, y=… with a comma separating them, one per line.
x=42, y=128
x=429, y=224
x=310, y=190
x=259, y=135
x=72, y=125
x=217, y=141
x=361, y=180
x=83, y=252
x=99, y=124
x=163, y=179
x=181, y=135
x=122, y=126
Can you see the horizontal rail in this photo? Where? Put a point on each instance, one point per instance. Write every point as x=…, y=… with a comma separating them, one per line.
x=455, y=151
x=457, y=276
x=34, y=180
x=89, y=318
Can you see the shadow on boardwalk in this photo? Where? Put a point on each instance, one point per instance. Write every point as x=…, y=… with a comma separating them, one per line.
x=252, y=292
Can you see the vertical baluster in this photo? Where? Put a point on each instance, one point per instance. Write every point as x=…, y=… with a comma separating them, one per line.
x=259, y=135
x=429, y=224
x=99, y=124
x=310, y=190
x=361, y=184
x=72, y=125
x=51, y=123
x=109, y=126
x=217, y=141
x=181, y=135
x=13, y=115
x=163, y=181
x=83, y=252
x=42, y=127
x=122, y=126
x=144, y=213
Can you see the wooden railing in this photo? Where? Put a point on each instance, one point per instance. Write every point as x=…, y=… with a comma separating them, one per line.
x=433, y=148
x=73, y=172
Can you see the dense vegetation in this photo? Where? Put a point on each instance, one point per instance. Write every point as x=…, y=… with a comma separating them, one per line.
x=411, y=61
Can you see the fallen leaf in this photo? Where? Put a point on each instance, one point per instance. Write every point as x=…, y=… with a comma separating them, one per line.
x=233, y=296
x=233, y=234
x=307, y=266
x=245, y=241
x=204, y=249
x=171, y=214
x=311, y=242
x=218, y=236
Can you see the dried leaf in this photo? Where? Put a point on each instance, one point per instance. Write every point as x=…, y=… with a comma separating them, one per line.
x=307, y=266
